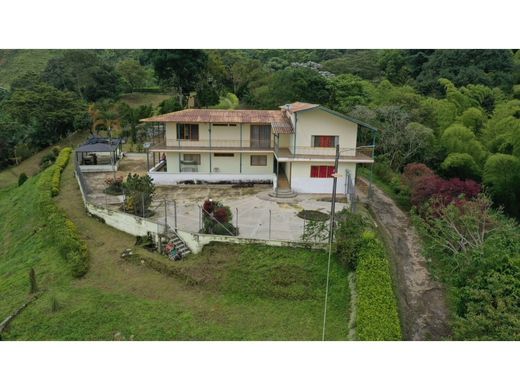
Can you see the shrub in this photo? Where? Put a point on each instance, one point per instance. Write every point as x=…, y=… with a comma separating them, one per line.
x=446, y=191
x=377, y=314
x=414, y=172
x=216, y=219
x=47, y=160
x=59, y=165
x=22, y=178
x=349, y=240
x=114, y=185
x=383, y=171
x=72, y=249
x=139, y=194
x=460, y=165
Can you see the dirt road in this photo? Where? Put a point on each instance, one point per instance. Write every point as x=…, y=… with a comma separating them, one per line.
x=422, y=302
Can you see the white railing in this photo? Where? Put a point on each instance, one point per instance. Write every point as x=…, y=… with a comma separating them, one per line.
x=218, y=143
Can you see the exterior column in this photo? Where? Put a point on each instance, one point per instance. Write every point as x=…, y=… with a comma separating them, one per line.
x=210, y=153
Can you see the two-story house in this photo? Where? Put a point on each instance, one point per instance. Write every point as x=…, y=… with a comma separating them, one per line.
x=293, y=148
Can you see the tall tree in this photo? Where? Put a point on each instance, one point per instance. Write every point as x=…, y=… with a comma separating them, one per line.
x=83, y=72
x=178, y=68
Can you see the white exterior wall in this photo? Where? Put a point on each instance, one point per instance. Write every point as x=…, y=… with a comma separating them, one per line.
x=301, y=180
x=319, y=122
x=221, y=136
x=254, y=169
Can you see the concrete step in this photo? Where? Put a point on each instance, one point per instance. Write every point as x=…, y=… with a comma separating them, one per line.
x=283, y=194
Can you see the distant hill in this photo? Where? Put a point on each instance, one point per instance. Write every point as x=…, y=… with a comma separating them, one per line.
x=14, y=63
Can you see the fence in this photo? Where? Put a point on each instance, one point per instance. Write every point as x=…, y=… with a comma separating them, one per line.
x=186, y=218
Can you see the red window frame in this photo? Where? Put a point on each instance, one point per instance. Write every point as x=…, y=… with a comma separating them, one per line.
x=324, y=141
x=322, y=171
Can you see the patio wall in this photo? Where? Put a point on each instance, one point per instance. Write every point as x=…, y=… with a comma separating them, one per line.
x=137, y=226
x=166, y=178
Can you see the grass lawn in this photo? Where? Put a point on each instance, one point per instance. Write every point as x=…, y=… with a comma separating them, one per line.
x=137, y=99
x=14, y=63
x=227, y=292
x=30, y=166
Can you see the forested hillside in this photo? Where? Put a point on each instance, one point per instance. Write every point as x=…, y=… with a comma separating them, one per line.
x=448, y=148
x=456, y=111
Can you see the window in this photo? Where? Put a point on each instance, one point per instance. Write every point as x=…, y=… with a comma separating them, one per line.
x=325, y=141
x=260, y=136
x=223, y=124
x=193, y=159
x=224, y=154
x=258, y=161
x=322, y=171
x=188, y=131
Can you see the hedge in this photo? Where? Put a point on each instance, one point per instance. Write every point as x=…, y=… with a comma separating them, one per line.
x=57, y=168
x=64, y=232
x=377, y=315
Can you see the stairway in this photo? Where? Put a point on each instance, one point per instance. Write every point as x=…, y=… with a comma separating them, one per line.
x=283, y=193
x=179, y=244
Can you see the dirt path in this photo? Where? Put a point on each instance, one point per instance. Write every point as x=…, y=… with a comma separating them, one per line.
x=424, y=313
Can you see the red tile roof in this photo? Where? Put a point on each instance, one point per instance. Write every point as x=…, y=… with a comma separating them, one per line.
x=220, y=116
x=298, y=106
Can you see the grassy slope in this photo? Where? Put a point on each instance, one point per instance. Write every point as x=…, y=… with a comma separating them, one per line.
x=243, y=293
x=30, y=166
x=137, y=99
x=14, y=63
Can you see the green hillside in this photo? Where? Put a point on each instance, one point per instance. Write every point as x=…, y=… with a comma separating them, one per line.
x=227, y=292
x=14, y=63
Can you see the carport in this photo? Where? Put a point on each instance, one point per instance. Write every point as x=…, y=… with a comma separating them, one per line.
x=99, y=155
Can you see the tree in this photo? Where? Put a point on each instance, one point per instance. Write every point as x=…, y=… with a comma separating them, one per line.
x=348, y=91
x=139, y=192
x=82, y=72
x=179, y=68
x=502, y=179
x=295, y=84
x=169, y=105
x=130, y=117
x=473, y=119
x=133, y=74
x=461, y=165
x=401, y=141
x=394, y=64
x=460, y=139
x=49, y=113
x=361, y=63
x=487, y=67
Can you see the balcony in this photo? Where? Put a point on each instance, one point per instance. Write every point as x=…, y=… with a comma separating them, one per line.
x=309, y=153
x=213, y=145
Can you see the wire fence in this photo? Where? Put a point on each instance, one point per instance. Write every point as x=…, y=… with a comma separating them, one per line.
x=267, y=221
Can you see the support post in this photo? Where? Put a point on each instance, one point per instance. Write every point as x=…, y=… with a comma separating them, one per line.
x=175, y=213
x=142, y=202
x=148, y=159
x=200, y=214
x=165, y=215
x=269, y=223
x=210, y=152
x=236, y=223
x=331, y=235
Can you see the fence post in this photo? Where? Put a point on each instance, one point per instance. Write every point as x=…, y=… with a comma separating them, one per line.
x=142, y=202
x=165, y=215
x=175, y=213
x=200, y=215
x=303, y=234
x=236, y=230
x=269, y=223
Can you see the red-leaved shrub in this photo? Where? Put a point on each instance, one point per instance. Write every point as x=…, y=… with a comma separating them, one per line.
x=414, y=172
x=221, y=215
x=425, y=184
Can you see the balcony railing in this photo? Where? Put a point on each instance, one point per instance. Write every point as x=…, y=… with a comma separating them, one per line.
x=219, y=143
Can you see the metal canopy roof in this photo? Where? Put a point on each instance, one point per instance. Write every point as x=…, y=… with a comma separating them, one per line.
x=99, y=145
